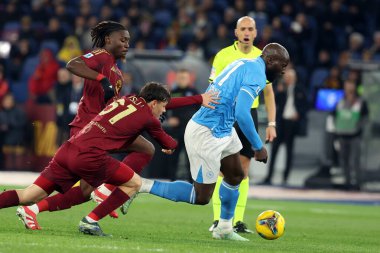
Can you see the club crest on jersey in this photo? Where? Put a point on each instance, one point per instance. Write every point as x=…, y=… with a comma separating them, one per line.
x=89, y=55
x=118, y=86
x=117, y=71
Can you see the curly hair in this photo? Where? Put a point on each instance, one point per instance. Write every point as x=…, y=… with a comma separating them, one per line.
x=103, y=29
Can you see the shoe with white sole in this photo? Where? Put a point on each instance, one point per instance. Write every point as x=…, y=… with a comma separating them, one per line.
x=28, y=217
x=89, y=228
x=227, y=234
x=213, y=225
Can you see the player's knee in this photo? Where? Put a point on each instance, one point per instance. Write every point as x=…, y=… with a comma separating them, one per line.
x=137, y=183
x=132, y=186
x=149, y=150
x=235, y=179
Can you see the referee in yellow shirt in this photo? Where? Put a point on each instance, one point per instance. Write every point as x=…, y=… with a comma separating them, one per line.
x=245, y=33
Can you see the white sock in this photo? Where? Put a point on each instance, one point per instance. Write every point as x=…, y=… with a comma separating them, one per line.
x=146, y=185
x=90, y=220
x=104, y=190
x=34, y=208
x=225, y=224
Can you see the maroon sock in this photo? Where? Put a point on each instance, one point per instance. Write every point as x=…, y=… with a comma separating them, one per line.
x=72, y=197
x=116, y=199
x=43, y=205
x=8, y=199
x=137, y=161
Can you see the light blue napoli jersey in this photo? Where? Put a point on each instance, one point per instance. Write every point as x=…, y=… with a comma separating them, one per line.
x=245, y=75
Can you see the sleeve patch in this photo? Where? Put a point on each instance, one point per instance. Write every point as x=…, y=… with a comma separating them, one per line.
x=89, y=55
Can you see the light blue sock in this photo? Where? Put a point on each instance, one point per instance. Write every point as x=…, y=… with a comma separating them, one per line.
x=178, y=191
x=229, y=195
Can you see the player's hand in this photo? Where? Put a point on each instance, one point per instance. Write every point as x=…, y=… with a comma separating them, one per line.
x=107, y=88
x=210, y=97
x=168, y=151
x=261, y=155
x=174, y=121
x=270, y=134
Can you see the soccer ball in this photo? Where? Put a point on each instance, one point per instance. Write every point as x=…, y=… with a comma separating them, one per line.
x=270, y=225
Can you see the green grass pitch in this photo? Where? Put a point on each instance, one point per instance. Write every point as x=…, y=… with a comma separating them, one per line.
x=156, y=225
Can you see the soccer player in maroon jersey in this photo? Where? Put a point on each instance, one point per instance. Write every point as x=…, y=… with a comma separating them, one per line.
x=103, y=81
x=85, y=155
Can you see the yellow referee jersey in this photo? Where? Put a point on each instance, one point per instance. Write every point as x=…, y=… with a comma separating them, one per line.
x=228, y=55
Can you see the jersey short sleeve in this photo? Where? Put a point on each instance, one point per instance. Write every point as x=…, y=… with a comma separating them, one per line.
x=98, y=58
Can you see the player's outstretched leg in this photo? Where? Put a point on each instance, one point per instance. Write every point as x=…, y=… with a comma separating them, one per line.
x=89, y=224
x=177, y=191
x=28, y=218
x=136, y=161
x=28, y=214
x=132, y=183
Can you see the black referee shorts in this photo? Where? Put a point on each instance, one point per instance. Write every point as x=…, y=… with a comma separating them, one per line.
x=247, y=147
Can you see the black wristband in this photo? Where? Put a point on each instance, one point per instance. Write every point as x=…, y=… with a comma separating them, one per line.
x=107, y=88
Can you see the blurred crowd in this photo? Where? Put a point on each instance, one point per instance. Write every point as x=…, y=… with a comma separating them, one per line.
x=38, y=37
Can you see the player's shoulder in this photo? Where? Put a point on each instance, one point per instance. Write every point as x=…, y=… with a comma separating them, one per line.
x=100, y=51
x=255, y=66
x=97, y=52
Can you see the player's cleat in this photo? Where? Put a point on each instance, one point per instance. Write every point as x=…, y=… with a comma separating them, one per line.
x=225, y=234
x=90, y=228
x=125, y=207
x=241, y=227
x=99, y=197
x=28, y=217
x=214, y=225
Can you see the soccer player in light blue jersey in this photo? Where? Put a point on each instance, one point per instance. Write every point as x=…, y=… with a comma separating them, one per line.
x=212, y=143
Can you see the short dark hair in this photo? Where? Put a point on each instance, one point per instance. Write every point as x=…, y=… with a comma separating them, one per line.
x=155, y=91
x=103, y=29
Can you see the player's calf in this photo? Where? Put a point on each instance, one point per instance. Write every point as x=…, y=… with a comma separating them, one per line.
x=99, y=195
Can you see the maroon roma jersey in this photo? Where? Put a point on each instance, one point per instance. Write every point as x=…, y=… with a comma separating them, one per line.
x=92, y=101
x=119, y=123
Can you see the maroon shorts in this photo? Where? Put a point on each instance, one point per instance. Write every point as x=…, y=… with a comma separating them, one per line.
x=70, y=164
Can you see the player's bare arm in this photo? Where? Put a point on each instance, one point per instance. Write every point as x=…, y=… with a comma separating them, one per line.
x=78, y=67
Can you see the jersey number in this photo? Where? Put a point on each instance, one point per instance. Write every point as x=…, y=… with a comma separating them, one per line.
x=130, y=109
